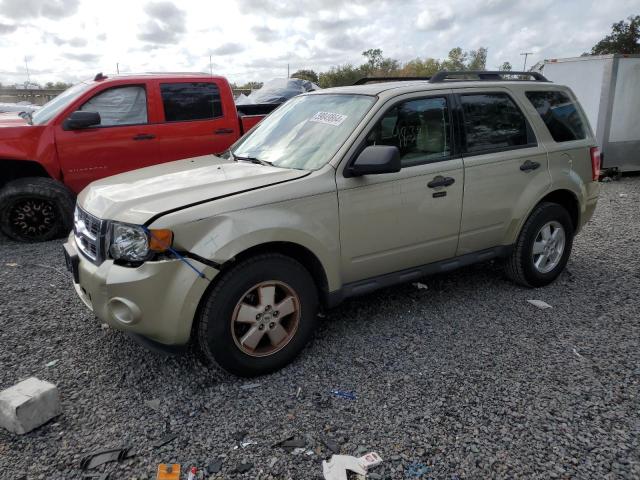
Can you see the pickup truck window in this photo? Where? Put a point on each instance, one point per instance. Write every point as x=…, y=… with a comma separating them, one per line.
x=119, y=106
x=305, y=132
x=190, y=101
x=419, y=128
x=51, y=109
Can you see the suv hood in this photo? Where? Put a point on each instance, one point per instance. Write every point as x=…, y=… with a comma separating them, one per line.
x=136, y=196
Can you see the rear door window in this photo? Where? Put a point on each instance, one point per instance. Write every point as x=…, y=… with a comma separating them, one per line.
x=559, y=114
x=493, y=122
x=119, y=106
x=190, y=101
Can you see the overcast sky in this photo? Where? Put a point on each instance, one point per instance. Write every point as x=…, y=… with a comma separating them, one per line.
x=255, y=39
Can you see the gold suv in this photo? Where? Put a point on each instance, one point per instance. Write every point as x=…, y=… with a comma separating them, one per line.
x=337, y=193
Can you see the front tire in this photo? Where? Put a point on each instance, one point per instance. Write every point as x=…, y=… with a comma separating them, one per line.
x=543, y=246
x=35, y=209
x=259, y=315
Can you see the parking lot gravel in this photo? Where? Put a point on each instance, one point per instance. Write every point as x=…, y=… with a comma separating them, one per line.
x=463, y=379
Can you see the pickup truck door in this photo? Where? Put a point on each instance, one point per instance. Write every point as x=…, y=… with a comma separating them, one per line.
x=199, y=118
x=125, y=139
x=506, y=168
x=390, y=222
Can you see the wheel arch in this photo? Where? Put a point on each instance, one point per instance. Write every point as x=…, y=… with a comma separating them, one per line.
x=14, y=169
x=568, y=200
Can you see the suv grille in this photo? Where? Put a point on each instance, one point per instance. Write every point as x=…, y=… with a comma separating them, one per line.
x=89, y=234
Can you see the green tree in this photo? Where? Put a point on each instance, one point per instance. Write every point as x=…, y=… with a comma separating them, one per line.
x=306, y=75
x=252, y=85
x=456, y=60
x=477, y=59
x=374, y=59
x=338, y=76
x=421, y=67
x=624, y=38
x=505, y=67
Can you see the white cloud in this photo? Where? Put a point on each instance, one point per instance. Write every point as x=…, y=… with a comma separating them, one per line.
x=256, y=39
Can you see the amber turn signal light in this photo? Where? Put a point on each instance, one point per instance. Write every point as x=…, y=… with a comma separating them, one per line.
x=160, y=240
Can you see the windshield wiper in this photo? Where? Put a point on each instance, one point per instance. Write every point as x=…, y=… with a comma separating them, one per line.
x=250, y=159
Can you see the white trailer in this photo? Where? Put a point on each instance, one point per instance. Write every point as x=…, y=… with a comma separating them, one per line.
x=608, y=87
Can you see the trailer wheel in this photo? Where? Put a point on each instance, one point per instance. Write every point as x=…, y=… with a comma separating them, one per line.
x=35, y=209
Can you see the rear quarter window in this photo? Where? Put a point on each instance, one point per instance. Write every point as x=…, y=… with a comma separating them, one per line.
x=560, y=115
x=190, y=101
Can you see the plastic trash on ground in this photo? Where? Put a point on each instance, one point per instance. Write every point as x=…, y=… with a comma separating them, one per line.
x=168, y=472
x=540, y=304
x=338, y=465
x=278, y=90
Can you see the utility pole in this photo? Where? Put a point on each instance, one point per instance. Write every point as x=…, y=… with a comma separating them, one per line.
x=118, y=68
x=26, y=64
x=287, y=70
x=210, y=66
x=525, y=55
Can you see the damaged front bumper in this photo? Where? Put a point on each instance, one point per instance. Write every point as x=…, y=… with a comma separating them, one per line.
x=157, y=300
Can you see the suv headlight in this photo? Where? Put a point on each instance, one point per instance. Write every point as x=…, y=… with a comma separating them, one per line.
x=135, y=243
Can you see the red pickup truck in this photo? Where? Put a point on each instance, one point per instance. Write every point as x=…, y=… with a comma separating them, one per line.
x=103, y=127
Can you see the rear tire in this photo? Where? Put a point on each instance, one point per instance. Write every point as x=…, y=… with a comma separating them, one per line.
x=543, y=247
x=35, y=209
x=259, y=316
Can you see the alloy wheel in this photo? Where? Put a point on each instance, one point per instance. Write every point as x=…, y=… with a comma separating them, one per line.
x=548, y=246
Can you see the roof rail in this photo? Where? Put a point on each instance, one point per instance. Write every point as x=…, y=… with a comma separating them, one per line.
x=365, y=80
x=484, y=75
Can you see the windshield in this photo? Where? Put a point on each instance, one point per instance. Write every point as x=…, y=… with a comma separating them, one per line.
x=49, y=109
x=305, y=132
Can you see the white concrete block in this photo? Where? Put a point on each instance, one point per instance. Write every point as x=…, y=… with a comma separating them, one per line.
x=28, y=404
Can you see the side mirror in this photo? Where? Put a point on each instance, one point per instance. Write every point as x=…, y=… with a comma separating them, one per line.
x=376, y=159
x=79, y=119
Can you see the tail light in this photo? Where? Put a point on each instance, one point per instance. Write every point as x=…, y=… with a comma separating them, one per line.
x=595, y=163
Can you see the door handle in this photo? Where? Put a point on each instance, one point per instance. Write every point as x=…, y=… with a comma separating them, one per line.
x=144, y=136
x=223, y=131
x=440, y=181
x=529, y=165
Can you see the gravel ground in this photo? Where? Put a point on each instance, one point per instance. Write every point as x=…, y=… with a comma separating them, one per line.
x=464, y=378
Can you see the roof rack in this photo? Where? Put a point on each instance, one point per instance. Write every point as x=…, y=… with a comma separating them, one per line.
x=365, y=80
x=484, y=75
x=439, y=77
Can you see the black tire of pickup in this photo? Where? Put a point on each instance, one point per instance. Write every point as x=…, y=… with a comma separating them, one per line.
x=519, y=266
x=216, y=334
x=35, y=209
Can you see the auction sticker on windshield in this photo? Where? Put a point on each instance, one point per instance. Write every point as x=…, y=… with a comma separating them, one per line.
x=328, y=118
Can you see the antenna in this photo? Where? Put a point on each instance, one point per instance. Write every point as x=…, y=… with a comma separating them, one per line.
x=287, y=70
x=210, y=66
x=525, y=55
x=26, y=64
x=118, y=68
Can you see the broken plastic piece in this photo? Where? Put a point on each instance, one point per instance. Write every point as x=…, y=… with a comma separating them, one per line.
x=370, y=460
x=344, y=394
x=164, y=440
x=540, y=304
x=292, y=442
x=96, y=459
x=420, y=286
x=249, y=386
x=192, y=473
x=336, y=468
x=416, y=470
x=168, y=472
x=51, y=363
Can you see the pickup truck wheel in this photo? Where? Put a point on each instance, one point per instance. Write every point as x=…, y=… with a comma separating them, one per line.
x=259, y=315
x=543, y=247
x=35, y=209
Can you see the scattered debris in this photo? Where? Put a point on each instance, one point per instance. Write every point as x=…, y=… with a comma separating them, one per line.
x=104, y=326
x=28, y=404
x=540, y=304
x=575, y=352
x=249, y=386
x=244, y=467
x=12, y=265
x=168, y=472
x=272, y=462
x=321, y=315
x=170, y=437
x=153, y=404
x=192, y=473
x=297, y=451
x=622, y=195
x=337, y=466
x=291, y=443
x=214, y=467
x=298, y=392
x=370, y=460
x=420, y=286
x=96, y=459
x=96, y=476
x=331, y=445
x=343, y=394
x=245, y=444
x=416, y=470
x=52, y=363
